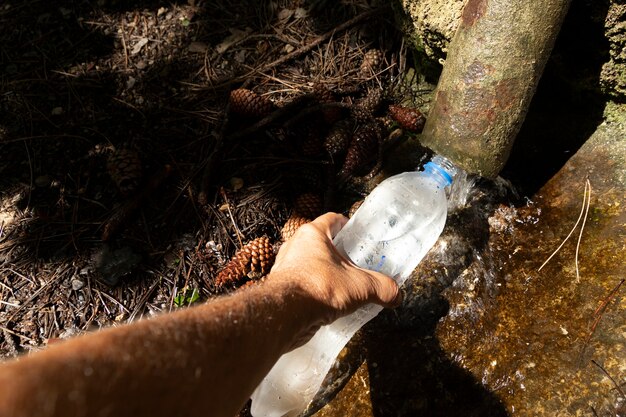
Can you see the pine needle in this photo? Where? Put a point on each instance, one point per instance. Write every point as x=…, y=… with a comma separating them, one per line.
x=588, y=189
x=580, y=216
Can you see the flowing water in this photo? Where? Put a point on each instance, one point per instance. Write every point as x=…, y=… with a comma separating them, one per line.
x=483, y=331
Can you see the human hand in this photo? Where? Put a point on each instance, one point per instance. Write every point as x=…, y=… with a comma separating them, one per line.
x=310, y=260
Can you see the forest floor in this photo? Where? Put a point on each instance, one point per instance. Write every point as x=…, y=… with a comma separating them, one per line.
x=85, y=81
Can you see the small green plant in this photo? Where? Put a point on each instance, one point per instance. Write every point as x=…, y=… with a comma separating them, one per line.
x=186, y=297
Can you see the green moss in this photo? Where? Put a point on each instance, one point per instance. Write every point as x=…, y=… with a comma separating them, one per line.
x=615, y=112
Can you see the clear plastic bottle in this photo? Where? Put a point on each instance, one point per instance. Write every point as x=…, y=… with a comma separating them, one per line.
x=391, y=232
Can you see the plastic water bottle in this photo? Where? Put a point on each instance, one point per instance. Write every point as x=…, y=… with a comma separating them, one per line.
x=391, y=232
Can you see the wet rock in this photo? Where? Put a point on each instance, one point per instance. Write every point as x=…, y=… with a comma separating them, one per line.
x=536, y=337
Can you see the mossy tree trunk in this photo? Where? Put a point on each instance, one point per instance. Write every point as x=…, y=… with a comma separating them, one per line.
x=494, y=63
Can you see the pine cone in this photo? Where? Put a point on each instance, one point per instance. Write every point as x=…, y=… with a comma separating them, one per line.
x=124, y=167
x=364, y=110
x=338, y=138
x=307, y=177
x=360, y=115
x=372, y=61
x=372, y=101
x=247, y=103
x=253, y=260
x=292, y=224
x=410, y=119
x=363, y=148
x=308, y=205
x=308, y=135
x=311, y=142
x=324, y=95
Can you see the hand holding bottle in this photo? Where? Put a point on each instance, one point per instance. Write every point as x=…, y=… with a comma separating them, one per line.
x=390, y=233
x=339, y=286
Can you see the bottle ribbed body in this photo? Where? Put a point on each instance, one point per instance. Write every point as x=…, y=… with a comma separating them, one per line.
x=390, y=232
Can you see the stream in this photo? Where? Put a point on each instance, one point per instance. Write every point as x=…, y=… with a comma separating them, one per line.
x=482, y=330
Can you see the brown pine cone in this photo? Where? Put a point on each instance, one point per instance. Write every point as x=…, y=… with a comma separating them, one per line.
x=292, y=224
x=360, y=114
x=324, y=95
x=363, y=148
x=364, y=110
x=308, y=135
x=253, y=260
x=307, y=177
x=308, y=205
x=338, y=138
x=311, y=142
x=372, y=61
x=372, y=100
x=124, y=167
x=410, y=119
x=249, y=104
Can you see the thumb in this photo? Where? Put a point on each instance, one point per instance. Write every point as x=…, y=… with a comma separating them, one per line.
x=386, y=291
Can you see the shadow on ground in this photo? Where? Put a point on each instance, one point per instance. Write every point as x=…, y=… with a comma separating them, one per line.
x=410, y=374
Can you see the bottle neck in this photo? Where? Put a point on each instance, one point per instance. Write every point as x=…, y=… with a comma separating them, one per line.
x=441, y=170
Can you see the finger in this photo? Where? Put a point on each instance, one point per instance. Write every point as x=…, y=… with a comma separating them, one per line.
x=387, y=293
x=330, y=223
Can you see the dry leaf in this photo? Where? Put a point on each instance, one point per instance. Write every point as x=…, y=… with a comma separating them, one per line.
x=137, y=48
x=240, y=56
x=301, y=13
x=235, y=36
x=285, y=14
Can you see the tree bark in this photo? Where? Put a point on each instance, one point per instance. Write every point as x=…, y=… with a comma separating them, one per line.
x=494, y=63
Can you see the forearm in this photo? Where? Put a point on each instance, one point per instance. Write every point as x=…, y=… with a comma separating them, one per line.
x=201, y=361
x=204, y=360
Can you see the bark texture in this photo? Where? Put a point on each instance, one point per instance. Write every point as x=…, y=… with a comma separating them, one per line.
x=494, y=63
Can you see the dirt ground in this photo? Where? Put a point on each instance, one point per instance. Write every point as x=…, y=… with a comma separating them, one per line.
x=83, y=80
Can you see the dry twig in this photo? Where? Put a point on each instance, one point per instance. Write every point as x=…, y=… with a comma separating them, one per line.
x=304, y=49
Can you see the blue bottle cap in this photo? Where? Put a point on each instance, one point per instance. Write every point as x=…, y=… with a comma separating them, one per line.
x=440, y=170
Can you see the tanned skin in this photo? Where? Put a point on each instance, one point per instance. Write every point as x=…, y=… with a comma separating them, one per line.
x=201, y=361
